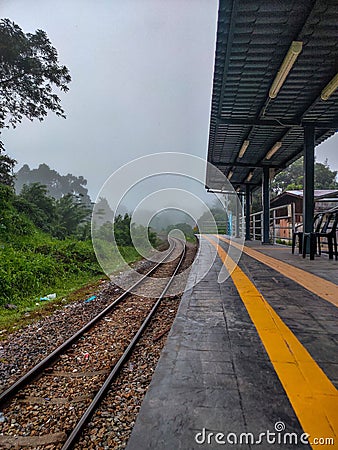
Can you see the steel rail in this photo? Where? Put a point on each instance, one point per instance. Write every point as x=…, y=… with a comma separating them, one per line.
x=9, y=393
x=74, y=436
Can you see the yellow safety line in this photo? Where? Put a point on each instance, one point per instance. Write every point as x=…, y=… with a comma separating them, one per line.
x=323, y=288
x=312, y=395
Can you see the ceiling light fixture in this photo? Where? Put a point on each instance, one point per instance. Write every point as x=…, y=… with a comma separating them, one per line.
x=330, y=88
x=289, y=60
x=249, y=177
x=245, y=145
x=273, y=150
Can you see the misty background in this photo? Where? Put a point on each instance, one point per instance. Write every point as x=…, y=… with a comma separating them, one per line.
x=142, y=75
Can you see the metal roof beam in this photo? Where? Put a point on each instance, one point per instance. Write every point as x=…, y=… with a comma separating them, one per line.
x=243, y=164
x=278, y=123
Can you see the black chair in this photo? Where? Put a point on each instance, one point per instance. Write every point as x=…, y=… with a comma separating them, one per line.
x=330, y=234
x=328, y=231
x=316, y=225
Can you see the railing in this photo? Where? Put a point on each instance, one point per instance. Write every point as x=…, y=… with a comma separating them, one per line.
x=283, y=221
x=229, y=226
x=214, y=227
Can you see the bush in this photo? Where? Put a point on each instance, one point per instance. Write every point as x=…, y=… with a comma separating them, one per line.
x=36, y=267
x=33, y=260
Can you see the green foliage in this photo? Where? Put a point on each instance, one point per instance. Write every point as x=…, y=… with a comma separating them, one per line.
x=32, y=261
x=325, y=178
x=40, y=246
x=283, y=242
x=215, y=221
x=110, y=256
x=29, y=71
x=121, y=237
x=6, y=196
x=122, y=232
x=70, y=217
x=42, y=264
x=36, y=204
x=292, y=177
x=6, y=168
x=152, y=235
x=12, y=223
x=185, y=228
x=61, y=218
x=105, y=232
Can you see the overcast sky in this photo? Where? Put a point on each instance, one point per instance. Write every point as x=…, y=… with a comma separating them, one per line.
x=141, y=83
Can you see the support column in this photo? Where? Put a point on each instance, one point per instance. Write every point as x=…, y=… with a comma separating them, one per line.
x=308, y=171
x=266, y=205
x=238, y=216
x=247, y=212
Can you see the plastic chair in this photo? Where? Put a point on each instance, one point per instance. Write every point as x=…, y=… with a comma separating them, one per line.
x=328, y=232
x=316, y=224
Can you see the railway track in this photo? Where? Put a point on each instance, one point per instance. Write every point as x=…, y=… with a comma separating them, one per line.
x=71, y=382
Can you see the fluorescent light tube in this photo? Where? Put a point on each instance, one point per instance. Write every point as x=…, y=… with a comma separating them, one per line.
x=330, y=88
x=249, y=177
x=245, y=145
x=289, y=60
x=273, y=150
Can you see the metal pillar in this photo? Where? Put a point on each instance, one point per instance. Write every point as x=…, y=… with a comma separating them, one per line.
x=308, y=171
x=247, y=212
x=266, y=205
x=238, y=216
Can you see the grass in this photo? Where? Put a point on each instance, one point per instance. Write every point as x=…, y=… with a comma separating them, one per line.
x=33, y=264
x=74, y=287
x=67, y=268
x=284, y=242
x=31, y=309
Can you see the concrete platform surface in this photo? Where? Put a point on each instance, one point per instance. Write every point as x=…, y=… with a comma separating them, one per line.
x=249, y=362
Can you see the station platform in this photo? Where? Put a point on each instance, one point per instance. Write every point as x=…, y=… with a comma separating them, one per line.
x=251, y=361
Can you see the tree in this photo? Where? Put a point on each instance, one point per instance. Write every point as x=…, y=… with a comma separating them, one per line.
x=29, y=72
x=325, y=178
x=57, y=185
x=61, y=218
x=292, y=177
x=186, y=229
x=122, y=230
x=37, y=205
x=71, y=216
x=123, y=227
x=6, y=168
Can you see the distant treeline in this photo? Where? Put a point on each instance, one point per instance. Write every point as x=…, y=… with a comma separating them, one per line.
x=57, y=185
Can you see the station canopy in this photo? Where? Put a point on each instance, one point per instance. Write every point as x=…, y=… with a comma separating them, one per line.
x=275, y=73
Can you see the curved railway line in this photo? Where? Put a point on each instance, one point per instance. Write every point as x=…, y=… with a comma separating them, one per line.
x=68, y=385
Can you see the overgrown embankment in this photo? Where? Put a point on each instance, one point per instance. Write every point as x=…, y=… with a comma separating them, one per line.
x=33, y=262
